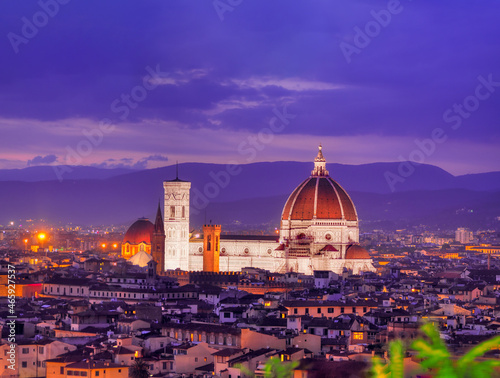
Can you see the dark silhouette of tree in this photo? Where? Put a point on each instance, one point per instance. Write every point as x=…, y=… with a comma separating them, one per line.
x=139, y=369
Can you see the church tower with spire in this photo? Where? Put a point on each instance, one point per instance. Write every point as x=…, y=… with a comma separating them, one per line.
x=158, y=242
x=176, y=216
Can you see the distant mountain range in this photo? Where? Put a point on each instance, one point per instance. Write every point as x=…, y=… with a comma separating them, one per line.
x=250, y=195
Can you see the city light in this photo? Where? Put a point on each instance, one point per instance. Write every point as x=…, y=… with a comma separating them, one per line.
x=42, y=236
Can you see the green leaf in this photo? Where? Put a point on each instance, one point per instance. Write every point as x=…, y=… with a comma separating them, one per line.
x=397, y=359
x=478, y=351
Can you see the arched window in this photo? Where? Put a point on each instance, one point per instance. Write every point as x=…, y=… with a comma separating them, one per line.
x=184, y=211
x=209, y=243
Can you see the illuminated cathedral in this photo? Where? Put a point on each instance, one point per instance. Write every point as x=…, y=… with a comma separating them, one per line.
x=319, y=231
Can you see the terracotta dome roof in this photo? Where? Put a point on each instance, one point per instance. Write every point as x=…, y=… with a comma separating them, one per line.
x=321, y=198
x=140, y=231
x=355, y=251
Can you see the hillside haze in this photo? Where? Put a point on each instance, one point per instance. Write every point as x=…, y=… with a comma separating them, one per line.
x=247, y=195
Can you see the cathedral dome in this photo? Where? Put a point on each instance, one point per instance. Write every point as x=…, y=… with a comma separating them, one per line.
x=356, y=252
x=319, y=197
x=140, y=232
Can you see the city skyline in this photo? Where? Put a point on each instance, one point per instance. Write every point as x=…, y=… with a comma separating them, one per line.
x=142, y=86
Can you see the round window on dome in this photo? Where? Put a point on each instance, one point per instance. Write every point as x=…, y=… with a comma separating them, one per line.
x=200, y=249
x=246, y=251
x=269, y=251
x=328, y=236
x=223, y=250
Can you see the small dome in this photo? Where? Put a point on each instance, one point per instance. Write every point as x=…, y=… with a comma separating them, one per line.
x=140, y=232
x=357, y=252
x=141, y=259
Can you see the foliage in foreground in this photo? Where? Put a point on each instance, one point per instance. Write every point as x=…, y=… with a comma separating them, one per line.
x=139, y=369
x=437, y=359
x=273, y=368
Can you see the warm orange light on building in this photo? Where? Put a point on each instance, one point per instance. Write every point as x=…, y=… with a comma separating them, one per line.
x=357, y=335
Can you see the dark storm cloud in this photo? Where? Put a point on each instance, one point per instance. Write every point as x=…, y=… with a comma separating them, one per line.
x=229, y=75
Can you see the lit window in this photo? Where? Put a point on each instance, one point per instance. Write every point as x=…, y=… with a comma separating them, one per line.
x=357, y=335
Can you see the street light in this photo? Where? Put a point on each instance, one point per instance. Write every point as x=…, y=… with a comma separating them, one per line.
x=41, y=237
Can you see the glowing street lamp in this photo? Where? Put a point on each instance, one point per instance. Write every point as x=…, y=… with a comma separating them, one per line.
x=25, y=244
x=41, y=237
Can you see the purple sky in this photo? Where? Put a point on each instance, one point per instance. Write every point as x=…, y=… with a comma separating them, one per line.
x=220, y=80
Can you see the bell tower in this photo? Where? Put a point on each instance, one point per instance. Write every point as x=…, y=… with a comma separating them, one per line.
x=176, y=216
x=211, y=247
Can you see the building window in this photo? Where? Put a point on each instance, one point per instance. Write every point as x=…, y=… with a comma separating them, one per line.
x=307, y=310
x=227, y=315
x=183, y=211
x=342, y=310
x=246, y=250
x=24, y=364
x=330, y=310
x=295, y=311
x=354, y=310
x=357, y=335
x=97, y=373
x=364, y=309
x=40, y=350
x=319, y=310
x=26, y=350
x=61, y=370
x=172, y=211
